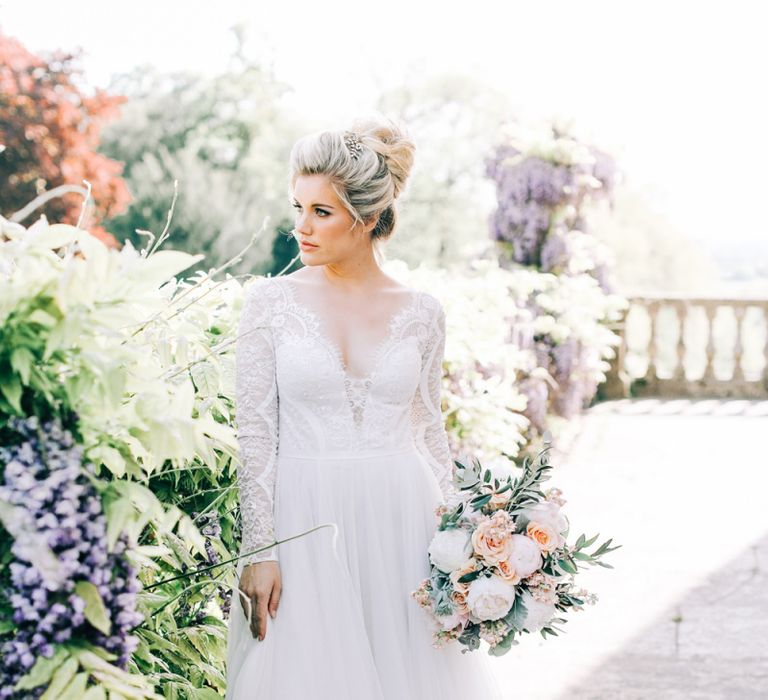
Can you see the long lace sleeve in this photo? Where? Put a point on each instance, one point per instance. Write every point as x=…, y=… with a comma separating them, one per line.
x=256, y=404
x=426, y=411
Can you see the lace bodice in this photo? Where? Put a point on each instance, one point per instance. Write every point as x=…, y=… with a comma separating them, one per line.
x=294, y=395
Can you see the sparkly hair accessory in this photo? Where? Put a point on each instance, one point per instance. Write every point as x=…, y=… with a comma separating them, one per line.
x=353, y=144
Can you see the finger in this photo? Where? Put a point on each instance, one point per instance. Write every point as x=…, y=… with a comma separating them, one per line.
x=261, y=614
x=245, y=604
x=254, y=616
x=274, y=601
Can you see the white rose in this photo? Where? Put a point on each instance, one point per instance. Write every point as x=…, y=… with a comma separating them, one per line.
x=448, y=622
x=537, y=614
x=450, y=549
x=526, y=556
x=547, y=512
x=490, y=598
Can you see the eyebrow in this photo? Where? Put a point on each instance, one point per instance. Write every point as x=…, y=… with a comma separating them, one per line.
x=316, y=204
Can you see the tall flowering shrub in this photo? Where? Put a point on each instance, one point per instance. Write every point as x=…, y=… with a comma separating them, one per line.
x=128, y=479
x=546, y=184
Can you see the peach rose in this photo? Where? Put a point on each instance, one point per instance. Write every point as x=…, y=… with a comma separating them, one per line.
x=548, y=513
x=544, y=535
x=459, y=599
x=507, y=572
x=471, y=565
x=491, y=538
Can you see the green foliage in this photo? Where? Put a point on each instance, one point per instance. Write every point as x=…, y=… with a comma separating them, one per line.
x=140, y=367
x=226, y=141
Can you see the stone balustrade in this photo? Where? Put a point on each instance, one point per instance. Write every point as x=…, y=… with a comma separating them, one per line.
x=691, y=347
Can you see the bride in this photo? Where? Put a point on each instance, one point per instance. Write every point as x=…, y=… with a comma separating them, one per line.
x=338, y=376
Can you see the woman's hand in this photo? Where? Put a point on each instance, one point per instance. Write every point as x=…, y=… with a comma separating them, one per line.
x=260, y=582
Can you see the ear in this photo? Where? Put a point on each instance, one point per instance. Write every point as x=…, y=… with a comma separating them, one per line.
x=370, y=223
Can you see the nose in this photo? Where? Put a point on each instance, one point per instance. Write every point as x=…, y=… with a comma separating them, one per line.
x=300, y=226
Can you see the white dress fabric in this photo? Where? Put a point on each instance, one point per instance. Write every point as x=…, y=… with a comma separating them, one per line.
x=370, y=454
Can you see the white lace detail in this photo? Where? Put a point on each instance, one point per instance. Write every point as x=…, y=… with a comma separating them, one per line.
x=357, y=391
x=426, y=408
x=256, y=411
x=322, y=409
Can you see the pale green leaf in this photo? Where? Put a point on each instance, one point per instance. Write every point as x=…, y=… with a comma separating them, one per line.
x=60, y=679
x=76, y=688
x=43, y=670
x=95, y=611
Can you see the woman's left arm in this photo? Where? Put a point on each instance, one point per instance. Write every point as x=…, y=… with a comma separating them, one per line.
x=426, y=411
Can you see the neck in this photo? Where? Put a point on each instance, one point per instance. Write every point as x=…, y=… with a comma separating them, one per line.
x=360, y=272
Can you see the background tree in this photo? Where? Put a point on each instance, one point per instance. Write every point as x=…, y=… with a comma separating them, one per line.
x=454, y=120
x=226, y=139
x=50, y=129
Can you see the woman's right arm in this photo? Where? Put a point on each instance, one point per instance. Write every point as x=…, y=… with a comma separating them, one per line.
x=256, y=416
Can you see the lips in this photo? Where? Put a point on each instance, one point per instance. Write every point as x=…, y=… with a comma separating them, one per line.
x=304, y=244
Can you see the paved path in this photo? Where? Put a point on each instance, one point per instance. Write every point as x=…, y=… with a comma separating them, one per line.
x=682, y=485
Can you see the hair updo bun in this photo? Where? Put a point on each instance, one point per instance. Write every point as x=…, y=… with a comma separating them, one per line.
x=391, y=142
x=368, y=180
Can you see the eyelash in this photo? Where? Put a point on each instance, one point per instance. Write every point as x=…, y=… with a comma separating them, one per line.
x=298, y=206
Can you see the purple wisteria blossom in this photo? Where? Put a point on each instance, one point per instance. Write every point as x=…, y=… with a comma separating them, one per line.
x=539, y=198
x=45, y=477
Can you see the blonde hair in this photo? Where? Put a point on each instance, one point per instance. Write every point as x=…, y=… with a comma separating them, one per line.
x=367, y=185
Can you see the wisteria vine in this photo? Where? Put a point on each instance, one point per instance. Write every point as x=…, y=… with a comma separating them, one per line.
x=48, y=486
x=541, y=195
x=543, y=189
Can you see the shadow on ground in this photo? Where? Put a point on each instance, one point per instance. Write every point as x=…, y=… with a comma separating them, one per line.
x=712, y=643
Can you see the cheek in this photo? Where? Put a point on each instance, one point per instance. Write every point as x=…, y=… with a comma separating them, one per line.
x=336, y=233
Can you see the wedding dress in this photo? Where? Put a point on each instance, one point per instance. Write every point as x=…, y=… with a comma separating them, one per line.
x=368, y=453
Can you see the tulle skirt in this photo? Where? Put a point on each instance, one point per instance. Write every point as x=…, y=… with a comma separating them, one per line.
x=346, y=626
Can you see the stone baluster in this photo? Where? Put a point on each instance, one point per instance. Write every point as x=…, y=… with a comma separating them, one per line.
x=653, y=314
x=738, y=349
x=710, y=309
x=765, y=349
x=681, y=312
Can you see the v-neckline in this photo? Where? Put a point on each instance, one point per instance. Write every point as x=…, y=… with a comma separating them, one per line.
x=334, y=349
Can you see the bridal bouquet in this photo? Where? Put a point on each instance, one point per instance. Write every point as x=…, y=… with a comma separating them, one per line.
x=500, y=563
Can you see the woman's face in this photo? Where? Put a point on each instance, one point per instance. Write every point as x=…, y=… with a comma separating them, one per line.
x=323, y=221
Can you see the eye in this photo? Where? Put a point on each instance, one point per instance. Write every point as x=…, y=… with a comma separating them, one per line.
x=317, y=209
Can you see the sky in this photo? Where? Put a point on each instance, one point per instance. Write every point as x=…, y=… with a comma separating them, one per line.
x=673, y=90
